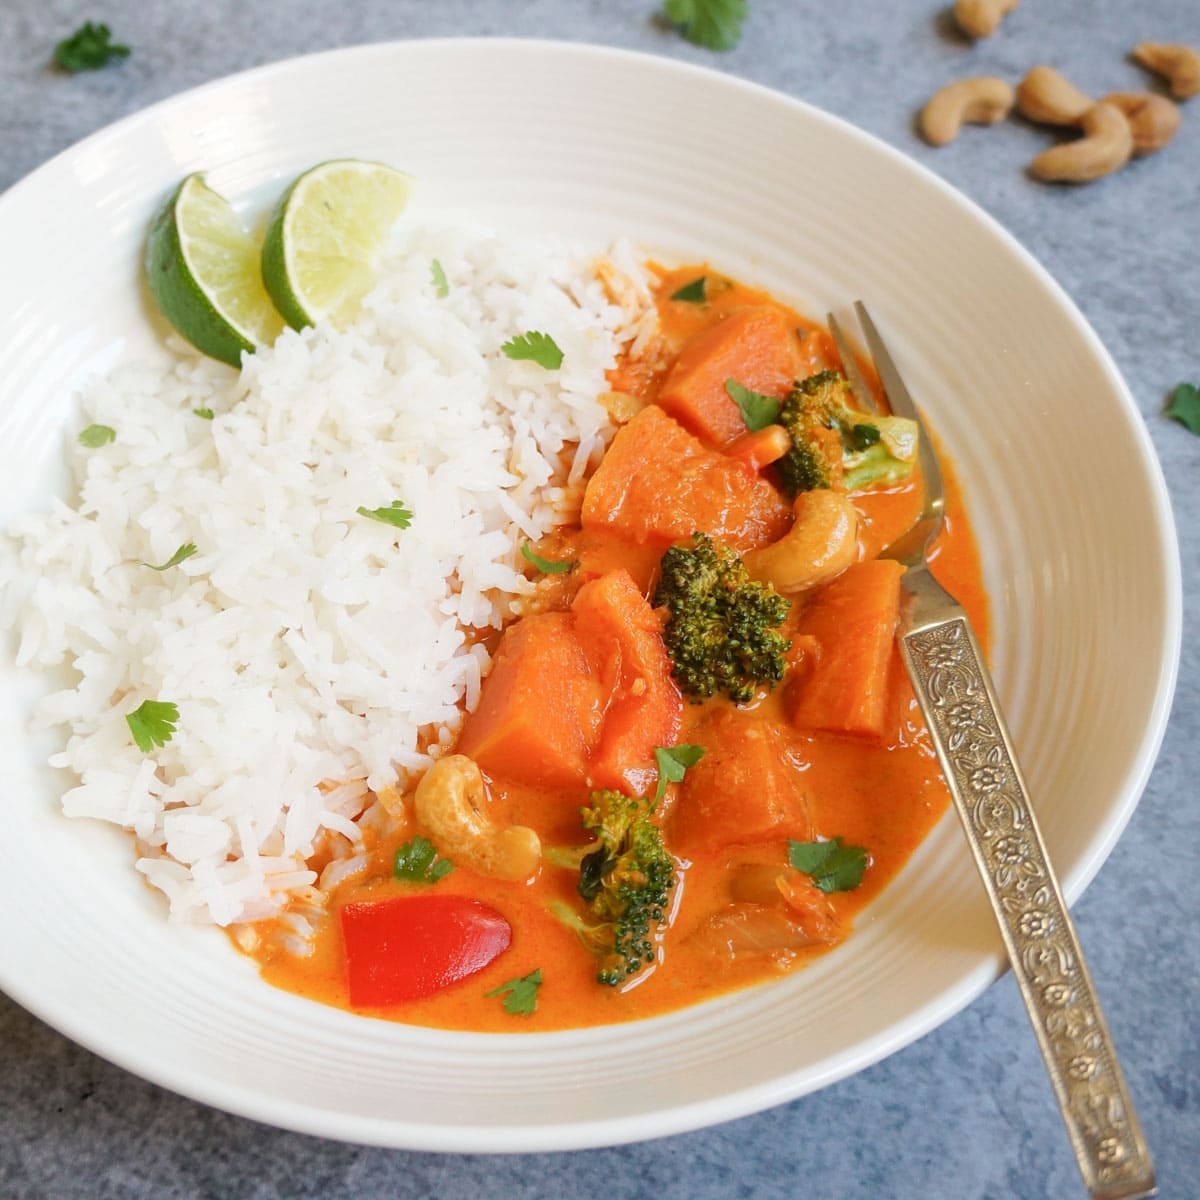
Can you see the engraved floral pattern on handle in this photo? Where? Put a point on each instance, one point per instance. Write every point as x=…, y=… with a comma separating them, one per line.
x=975, y=753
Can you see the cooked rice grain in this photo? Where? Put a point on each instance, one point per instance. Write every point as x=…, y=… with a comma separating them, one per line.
x=308, y=647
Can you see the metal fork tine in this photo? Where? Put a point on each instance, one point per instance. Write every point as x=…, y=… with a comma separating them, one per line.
x=854, y=376
x=899, y=399
x=946, y=666
x=898, y=395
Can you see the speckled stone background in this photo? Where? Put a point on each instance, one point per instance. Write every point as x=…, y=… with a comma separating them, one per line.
x=966, y=1113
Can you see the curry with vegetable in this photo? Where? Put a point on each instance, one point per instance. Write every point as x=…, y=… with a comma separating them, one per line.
x=696, y=756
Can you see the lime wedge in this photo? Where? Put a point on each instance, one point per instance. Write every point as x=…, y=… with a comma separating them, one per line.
x=324, y=239
x=204, y=270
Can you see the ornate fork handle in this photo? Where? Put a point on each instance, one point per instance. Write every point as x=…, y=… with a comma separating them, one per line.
x=980, y=766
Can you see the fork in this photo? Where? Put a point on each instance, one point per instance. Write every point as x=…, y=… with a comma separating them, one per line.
x=968, y=730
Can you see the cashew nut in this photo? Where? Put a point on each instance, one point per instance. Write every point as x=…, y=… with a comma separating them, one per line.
x=821, y=543
x=1178, y=65
x=622, y=407
x=981, y=18
x=1045, y=96
x=1153, y=119
x=449, y=805
x=983, y=100
x=1105, y=147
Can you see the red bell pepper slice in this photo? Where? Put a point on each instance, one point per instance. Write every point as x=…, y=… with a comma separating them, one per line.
x=412, y=946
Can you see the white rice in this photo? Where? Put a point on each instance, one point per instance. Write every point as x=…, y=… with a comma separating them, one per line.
x=316, y=656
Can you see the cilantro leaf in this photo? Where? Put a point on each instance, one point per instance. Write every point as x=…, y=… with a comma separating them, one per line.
x=152, y=723
x=536, y=347
x=832, y=866
x=673, y=763
x=441, y=285
x=88, y=49
x=414, y=861
x=205, y=414
x=1184, y=406
x=95, y=436
x=520, y=995
x=549, y=566
x=758, y=411
x=392, y=514
x=184, y=551
x=713, y=24
x=692, y=293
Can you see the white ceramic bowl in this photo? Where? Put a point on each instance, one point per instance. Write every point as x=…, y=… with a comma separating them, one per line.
x=696, y=165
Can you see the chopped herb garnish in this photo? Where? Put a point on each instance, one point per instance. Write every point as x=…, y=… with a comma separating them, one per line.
x=97, y=435
x=692, y=293
x=441, y=285
x=520, y=995
x=832, y=866
x=536, y=347
x=392, y=514
x=1184, y=406
x=673, y=763
x=548, y=566
x=758, y=411
x=713, y=24
x=88, y=49
x=152, y=723
x=418, y=862
x=205, y=414
x=184, y=551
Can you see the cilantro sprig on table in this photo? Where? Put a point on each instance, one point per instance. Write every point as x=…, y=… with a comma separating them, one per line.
x=1184, y=406
x=713, y=24
x=89, y=48
x=832, y=866
x=520, y=995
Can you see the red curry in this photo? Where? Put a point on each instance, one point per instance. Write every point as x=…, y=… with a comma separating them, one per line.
x=579, y=697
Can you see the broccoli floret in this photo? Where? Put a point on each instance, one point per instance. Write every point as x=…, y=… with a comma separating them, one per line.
x=625, y=877
x=835, y=445
x=720, y=631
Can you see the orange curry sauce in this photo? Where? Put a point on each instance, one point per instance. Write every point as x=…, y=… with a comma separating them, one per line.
x=881, y=793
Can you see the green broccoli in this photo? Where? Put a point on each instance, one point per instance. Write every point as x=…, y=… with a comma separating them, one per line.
x=625, y=877
x=720, y=631
x=835, y=445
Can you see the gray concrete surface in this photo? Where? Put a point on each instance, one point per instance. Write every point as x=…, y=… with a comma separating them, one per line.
x=966, y=1113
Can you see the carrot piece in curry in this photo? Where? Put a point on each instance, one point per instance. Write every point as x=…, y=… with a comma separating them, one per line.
x=853, y=622
x=621, y=637
x=757, y=346
x=745, y=789
x=760, y=448
x=538, y=717
x=657, y=483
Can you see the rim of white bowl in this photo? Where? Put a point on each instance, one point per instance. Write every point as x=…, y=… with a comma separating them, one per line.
x=310, y=1118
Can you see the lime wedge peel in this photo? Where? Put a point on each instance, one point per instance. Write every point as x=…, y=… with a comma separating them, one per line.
x=325, y=237
x=204, y=270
